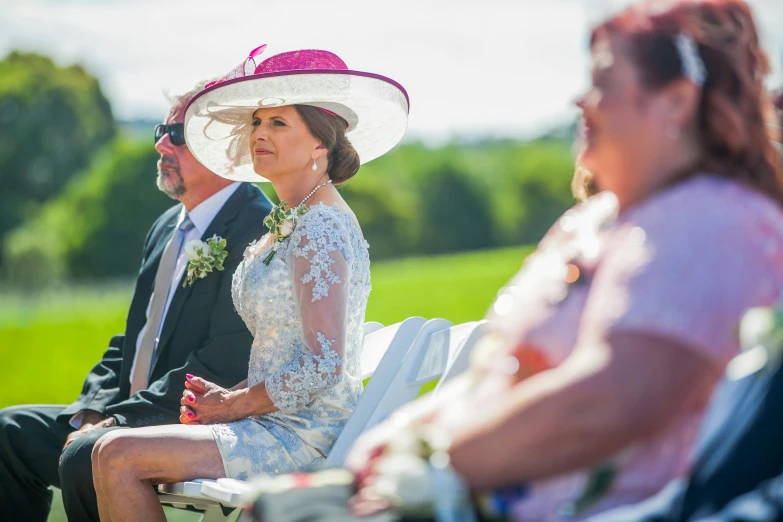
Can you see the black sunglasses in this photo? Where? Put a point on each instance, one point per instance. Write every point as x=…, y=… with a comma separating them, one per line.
x=176, y=132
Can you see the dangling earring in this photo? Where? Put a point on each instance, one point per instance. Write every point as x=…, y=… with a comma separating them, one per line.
x=672, y=132
x=315, y=167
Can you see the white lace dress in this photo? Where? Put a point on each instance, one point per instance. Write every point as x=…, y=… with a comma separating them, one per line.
x=306, y=313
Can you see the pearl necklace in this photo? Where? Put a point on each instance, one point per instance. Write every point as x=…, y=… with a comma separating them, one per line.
x=278, y=217
x=314, y=191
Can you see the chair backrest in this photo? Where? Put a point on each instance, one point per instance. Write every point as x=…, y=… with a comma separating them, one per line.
x=405, y=386
x=436, y=345
x=371, y=326
x=382, y=354
x=461, y=358
x=375, y=345
x=382, y=397
x=441, y=350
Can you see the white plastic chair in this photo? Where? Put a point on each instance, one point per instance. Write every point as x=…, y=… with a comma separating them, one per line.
x=437, y=344
x=387, y=364
x=460, y=360
x=371, y=326
x=188, y=494
x=208, y=495
x=388, y=394
x=444, y=347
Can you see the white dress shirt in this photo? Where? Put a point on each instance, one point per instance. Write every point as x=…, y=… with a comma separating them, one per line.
x=201, y=216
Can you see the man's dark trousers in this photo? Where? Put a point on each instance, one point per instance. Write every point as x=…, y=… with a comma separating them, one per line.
x=35, y=466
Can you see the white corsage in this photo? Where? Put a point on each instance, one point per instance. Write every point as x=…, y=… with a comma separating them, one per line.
x=203, y=258
x=281, y=224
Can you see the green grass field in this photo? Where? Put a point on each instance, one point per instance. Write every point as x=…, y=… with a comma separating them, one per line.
x=49, y=341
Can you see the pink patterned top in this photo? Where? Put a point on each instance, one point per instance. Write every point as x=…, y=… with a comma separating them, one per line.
x=683, y=264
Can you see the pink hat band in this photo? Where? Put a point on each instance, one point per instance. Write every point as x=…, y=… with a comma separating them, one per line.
x=301, y=60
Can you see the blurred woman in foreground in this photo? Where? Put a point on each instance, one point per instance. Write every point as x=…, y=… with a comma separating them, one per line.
x=606, y=346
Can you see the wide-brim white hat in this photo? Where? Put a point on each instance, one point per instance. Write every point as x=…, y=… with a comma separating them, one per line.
x=218, y=119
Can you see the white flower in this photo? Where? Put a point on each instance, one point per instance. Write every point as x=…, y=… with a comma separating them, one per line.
x=194, y=248
x=204, y=257
x=286, y=227
x=281, y=223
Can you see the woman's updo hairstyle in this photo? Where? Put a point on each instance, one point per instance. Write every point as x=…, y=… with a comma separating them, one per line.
x=342, y=159
x=732, y=116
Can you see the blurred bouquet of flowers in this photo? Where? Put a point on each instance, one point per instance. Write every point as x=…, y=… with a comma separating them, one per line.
x=414, y=475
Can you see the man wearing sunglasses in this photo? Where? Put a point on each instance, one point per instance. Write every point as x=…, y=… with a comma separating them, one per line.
x=172, y=330
x=169, y=175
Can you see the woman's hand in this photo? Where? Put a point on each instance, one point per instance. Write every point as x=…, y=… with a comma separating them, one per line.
x=204, y=402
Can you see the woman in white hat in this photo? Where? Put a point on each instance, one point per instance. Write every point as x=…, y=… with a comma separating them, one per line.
x=304, y=122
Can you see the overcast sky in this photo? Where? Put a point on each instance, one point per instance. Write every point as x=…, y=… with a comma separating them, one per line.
x=471, y=68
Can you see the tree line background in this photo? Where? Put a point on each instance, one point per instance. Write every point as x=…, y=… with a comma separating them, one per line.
x=78, y=194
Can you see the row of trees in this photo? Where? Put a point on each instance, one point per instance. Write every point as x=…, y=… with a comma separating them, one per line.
x=52, y=120
x=89, y=219
x=414, y=201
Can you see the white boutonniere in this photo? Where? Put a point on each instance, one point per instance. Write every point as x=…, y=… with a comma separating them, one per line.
x=203, y=258
x=761, y=338
x=281, y=224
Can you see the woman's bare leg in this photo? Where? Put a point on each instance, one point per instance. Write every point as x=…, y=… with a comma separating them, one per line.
x=131, y=461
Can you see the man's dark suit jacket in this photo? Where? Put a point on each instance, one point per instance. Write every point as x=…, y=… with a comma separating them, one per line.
x=737, y=474
x=202, y=333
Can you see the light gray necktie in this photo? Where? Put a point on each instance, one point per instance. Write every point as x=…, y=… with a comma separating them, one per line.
x=163, y=281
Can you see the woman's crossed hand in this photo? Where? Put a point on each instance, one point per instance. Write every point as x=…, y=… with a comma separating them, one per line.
x=204, y=402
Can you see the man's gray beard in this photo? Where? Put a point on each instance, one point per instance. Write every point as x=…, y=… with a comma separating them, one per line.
x=170, y=182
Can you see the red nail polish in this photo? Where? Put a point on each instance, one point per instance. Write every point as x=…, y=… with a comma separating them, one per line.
x=190, y=415
x=188, y=376
x=191, y=399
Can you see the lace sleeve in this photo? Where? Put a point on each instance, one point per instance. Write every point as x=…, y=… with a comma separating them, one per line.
x=319, y=261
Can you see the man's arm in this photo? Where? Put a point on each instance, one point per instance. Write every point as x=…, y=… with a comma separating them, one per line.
x=222, y=359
